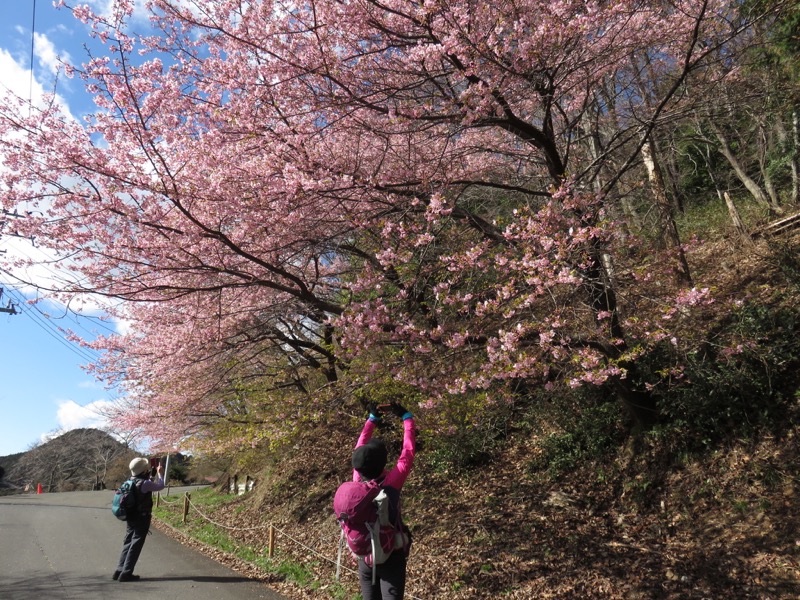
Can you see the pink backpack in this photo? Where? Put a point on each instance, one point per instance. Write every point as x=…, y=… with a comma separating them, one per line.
x=362, y=509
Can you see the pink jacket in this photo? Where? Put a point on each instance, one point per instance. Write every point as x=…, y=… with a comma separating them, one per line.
x=398, y=475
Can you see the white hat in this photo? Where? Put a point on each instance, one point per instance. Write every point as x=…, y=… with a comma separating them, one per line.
x=139, y=465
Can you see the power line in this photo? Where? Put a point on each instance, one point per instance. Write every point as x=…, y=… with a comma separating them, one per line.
x=43, y=265
x=42, y=321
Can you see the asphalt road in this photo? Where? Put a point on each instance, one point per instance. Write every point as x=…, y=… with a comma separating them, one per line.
x=65, y=547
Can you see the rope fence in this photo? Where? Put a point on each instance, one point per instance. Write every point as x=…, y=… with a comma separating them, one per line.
x=272, y=533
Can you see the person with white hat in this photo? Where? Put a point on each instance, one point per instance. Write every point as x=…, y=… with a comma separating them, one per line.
x=138, y=522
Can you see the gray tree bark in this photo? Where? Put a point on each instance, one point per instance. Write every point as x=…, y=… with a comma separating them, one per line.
x=669, y=228
x=748, y=182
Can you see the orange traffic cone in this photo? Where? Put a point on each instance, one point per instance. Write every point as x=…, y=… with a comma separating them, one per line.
x=38, y=488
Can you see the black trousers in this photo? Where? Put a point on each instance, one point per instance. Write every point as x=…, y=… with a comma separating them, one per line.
x=390, y=578
x=135, y=534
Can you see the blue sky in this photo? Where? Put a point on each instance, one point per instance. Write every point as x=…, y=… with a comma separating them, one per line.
x=43, y=388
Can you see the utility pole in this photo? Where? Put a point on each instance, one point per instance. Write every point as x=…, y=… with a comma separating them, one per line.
x=11, y=308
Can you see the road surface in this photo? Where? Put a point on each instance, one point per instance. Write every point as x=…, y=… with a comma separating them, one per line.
x=65, y=547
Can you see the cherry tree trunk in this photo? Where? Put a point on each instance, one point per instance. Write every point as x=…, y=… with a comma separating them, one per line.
x=669, y=229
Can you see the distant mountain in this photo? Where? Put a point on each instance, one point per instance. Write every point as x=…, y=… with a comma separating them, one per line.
x=6, y=463
x=80, y=459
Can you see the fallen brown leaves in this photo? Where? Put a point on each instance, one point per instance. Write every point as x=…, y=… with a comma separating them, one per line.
x=705, y=530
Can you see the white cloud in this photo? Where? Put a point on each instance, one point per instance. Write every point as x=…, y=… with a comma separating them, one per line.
x=106, y=7
x=123, y=327
x=71, y=415
x=41, y=272
x=45, y=51
x=32, y=280
x=15, y=78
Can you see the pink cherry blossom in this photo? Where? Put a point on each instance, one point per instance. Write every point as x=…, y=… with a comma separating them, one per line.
x=291, y=201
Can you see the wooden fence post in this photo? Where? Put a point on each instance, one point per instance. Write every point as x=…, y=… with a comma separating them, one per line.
x=271, y=543
x=158, y=499
x=186, y=499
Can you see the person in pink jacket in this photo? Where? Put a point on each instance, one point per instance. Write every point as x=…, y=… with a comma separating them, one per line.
x=369, y=462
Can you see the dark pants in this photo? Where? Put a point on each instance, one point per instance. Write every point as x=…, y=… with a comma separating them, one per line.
x=135, y=534
x=390, y=579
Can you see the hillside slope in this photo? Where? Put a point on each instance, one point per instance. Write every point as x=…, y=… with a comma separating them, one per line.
x=636, y=525
x=563, y=502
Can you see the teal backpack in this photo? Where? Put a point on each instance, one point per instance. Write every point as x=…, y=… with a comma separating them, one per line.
x=124, y=502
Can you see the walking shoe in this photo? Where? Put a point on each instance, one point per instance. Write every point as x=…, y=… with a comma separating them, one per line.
x=115, y=576
x=128, y=577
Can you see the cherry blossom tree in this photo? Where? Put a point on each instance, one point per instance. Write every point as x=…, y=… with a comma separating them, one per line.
x=292, y=200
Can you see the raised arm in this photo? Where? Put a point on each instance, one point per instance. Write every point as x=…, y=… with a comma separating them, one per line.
x=154, y=485
x=397, y=476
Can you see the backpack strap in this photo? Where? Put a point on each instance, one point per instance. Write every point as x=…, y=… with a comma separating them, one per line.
x=137, y=492
x=339, y=554
x=375, y=541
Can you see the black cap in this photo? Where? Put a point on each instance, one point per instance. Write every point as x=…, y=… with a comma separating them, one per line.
x=370, y=459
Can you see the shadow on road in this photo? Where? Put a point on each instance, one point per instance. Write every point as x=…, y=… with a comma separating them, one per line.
x=196, y=578
x=103, y=508
x=50, y=586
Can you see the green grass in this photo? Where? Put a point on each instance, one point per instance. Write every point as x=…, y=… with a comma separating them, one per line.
x=282, y=565
x=710, y=219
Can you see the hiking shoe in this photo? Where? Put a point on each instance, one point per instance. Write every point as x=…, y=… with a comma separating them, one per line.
x=127, y=577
